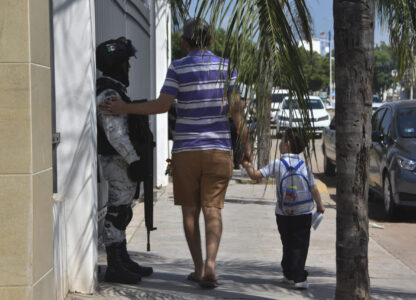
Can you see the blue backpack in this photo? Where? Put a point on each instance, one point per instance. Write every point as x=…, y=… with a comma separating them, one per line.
x=295, y=191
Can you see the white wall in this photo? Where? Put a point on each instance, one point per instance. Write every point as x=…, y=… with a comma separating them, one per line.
x=74, y=39
x=75, y=212
x=162, y=48
x=147, y=24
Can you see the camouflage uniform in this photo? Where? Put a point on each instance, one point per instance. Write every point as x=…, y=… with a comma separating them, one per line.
x=118, y=160
x=121, y=188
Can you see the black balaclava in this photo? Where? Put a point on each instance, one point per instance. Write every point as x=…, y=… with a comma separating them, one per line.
x=118, y=73
x=111, y=55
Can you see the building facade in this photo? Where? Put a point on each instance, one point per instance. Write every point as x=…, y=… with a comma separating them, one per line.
x=319, y=45
x=48, y=192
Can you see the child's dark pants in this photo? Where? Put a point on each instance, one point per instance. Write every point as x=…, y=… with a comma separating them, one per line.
x=295, y=233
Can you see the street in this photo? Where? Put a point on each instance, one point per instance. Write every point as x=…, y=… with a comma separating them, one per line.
x=398, y=237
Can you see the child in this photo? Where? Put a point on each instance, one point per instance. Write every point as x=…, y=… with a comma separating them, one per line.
x=296, y=191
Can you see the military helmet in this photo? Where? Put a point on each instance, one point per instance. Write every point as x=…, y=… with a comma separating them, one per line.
x=114, y=52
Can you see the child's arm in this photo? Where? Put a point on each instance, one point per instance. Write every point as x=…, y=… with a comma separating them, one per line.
x=254, y=174
x=317, y=197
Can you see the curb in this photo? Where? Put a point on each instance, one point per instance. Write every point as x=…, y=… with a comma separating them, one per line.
x=322, y=188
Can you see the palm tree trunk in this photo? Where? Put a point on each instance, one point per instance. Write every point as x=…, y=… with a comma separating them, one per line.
x=354, y=56
x=264, y=92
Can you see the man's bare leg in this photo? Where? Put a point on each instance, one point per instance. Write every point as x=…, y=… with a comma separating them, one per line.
x=213, y=231
x=193, y=237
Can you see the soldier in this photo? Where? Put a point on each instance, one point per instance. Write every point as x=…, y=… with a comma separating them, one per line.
x=122, y=166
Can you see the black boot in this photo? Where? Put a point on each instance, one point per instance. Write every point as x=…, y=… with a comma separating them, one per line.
x=116, y=270
x=131, y=265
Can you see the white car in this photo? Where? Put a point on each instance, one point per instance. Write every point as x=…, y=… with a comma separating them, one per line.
x=377, y=102
x=277, y=99
x=317, y=114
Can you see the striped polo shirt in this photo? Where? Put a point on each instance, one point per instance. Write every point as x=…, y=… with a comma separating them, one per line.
x=197, y=81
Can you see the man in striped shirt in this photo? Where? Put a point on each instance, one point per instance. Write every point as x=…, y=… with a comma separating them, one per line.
x=201, y=155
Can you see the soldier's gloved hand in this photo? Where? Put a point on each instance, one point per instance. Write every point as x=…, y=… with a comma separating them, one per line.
x=137, y=170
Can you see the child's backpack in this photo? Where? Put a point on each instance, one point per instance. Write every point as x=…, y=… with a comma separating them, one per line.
x=295, y=190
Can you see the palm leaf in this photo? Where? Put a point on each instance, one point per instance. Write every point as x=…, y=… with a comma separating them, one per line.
x=400, y=18
x=265, y=30
x=179, y=11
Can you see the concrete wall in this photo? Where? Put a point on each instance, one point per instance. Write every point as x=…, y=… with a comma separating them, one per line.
x=75, y=206
x=78, y=26
x=162, y=50
x=48, y=242
x=26, y=231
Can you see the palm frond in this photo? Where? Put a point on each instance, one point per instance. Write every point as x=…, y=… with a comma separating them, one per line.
x=261, y=38
x=400, y=18
x=179, y=11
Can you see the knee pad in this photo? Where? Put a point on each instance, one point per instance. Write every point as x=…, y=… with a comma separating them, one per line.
x=119, y=216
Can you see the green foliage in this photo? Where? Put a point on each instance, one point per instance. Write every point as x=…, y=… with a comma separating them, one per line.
x=400, y=18
x=219, y=48
x=218, y=44
x=385, y=62
x=261, y=43
x=179, y=11
x=316, y=70
x=178, y=50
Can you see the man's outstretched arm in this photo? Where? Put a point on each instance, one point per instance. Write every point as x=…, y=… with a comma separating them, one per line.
x=158, y=106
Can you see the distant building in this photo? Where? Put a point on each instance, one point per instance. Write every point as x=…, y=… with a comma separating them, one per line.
x=319, y=45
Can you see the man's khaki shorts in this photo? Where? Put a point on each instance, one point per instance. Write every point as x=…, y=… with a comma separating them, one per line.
x=200, y=178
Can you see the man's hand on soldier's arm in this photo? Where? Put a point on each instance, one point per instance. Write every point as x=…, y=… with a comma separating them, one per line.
x=114, y=106
x=160, y=105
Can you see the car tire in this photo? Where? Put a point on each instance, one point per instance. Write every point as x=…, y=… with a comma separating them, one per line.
x=329, y=167
x=388, y=201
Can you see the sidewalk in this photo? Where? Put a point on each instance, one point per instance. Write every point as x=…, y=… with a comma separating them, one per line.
x=249, y=255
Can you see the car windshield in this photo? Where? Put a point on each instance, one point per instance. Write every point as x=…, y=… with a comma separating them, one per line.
x=278, y=97
x=315, y=104
x=406, y=122
x=376, y=99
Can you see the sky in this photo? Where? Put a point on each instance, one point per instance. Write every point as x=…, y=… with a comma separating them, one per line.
x=321, y=12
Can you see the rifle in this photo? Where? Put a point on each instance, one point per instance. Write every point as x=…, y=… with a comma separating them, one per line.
x=143, y=143
x=148, y=191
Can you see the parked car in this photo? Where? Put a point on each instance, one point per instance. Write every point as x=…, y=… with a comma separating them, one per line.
x=329, y=149
x=325, y=100
x=377, y=102
x=392, y=162
x=317, y=114
x=277, y=99
x=392, y=171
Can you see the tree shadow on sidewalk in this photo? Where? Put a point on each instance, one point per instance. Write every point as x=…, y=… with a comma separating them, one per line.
x=239, y=280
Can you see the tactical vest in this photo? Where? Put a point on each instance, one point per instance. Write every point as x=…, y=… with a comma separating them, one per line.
x=138, y=125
